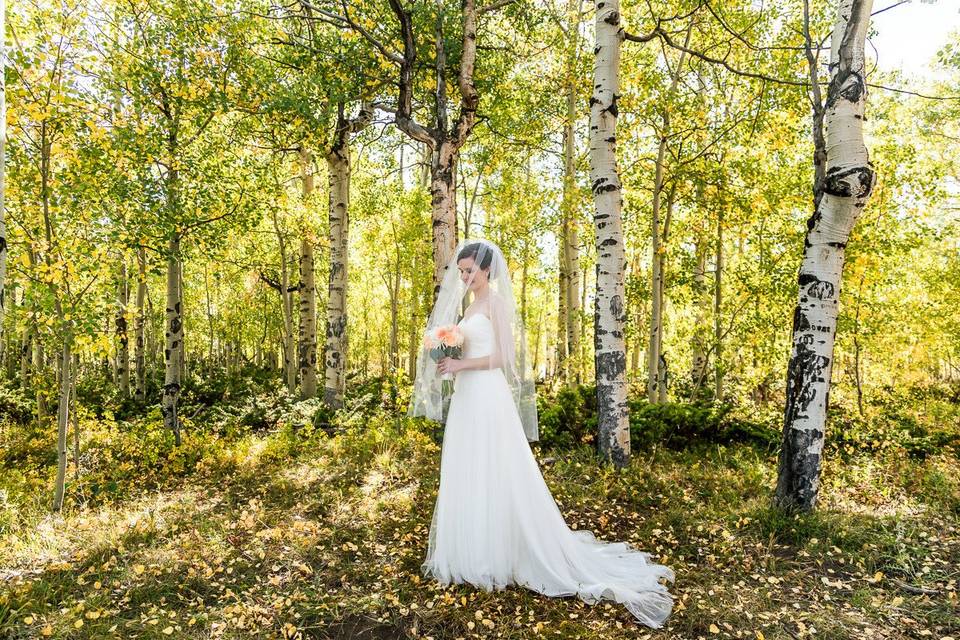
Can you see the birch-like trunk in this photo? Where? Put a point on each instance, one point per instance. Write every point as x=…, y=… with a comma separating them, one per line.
x=66, y=328
x=75, y=417
x=173, y=335
x=286, y=301
x=335, y=349
x=701, y=300
x=444, y=140
x=139, y=346
x=210, y=329
x=610, y=348
x=123, y=336
x=443, y=214
x=338, y=158
x=654, y=375
x=841, y=196
x=307, y=356
x=570, y=273
x=26, y=353
x=717, y=309
x=184, y=372
x=662, y=371
x=63, y=419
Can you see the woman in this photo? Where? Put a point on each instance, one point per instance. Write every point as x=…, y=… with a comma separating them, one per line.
x=495, y=522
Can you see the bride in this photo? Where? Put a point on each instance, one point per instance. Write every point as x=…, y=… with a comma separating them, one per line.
x=495, y=522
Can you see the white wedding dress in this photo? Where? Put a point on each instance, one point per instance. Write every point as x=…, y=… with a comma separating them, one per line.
x=495, y=522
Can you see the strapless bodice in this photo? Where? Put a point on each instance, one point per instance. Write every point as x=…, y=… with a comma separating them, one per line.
x=478, y=335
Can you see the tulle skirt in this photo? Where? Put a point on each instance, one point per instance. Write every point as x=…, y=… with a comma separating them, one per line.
x=495, y=522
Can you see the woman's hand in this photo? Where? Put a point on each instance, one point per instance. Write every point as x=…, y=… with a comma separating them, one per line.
x=449, y=365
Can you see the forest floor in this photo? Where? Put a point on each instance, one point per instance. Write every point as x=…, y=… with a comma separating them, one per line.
x=324, y=539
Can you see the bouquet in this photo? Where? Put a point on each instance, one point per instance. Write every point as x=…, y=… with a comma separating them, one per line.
x=444, y=342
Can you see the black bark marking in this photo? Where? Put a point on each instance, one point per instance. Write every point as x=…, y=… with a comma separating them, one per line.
x=806, y=368
x=613, y=19
x=847, y=183
x=612, y=109
x=816, y=288
x=616, y=303
x=800, y=322
x=607, y=187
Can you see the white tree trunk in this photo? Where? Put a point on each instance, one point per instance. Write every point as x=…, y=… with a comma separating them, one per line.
x=848, y=181
x=173, y=340
x=123, y=335
x=718, y=308
x=654, y=375
x=286, y=302
x=570, y=286
x=63, y=419
x=443, y=190
x=443, y=141
x=698, y=342
x=139, y=326
x=308, y=290
x=610, y=348
x=335, y=351
x=338, y=212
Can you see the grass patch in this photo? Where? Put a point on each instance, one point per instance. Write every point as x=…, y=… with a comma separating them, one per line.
x=298, y=534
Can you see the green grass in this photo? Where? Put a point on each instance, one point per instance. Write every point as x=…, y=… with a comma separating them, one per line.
x=275, y=536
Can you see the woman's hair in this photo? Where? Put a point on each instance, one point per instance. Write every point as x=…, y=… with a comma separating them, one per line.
x=471, y=251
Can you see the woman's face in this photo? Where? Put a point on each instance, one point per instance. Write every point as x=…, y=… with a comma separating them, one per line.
x=469, y=269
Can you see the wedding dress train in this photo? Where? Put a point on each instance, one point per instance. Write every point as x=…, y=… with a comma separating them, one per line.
x=495, y=522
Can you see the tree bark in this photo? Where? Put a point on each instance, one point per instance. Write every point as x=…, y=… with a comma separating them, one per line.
x=570, y=271
x=286, y=301
x=701, y=300
x=123, y=336
x=662, y=371
x=338, y=212
x=308, y=288
x=847, y=183
x=656, y=311
x=610, y=349
x=335, y=349
x=443, y=141
x=173, y=340
x=139, y=326
x=75, y=419
x=718, y=308
x=63, y=420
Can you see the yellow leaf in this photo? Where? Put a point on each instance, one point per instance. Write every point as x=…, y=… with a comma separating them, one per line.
x=47, y=631
x=28, y=620
x=714, y=628
x=78, y=623
x=139, y=569
x=168, y=631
